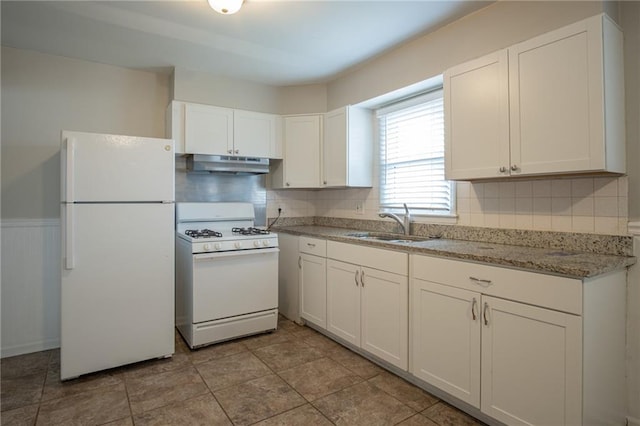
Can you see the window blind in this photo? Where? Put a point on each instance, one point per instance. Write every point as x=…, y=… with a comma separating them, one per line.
x=412, y=155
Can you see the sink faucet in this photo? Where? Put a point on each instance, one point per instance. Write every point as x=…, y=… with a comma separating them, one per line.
x=406, y=223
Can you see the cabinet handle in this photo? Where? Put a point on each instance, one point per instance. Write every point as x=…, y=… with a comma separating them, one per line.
x=481, y=282
x=288, y=184
x=503, y=169
x=324, y=182
x=474, y=305
x=237, y=151
x=311, y=245
x=229, y=151
x=362, y=278
x=299, y=262
x=484, y=313
x=514, y=168
x=356, y=279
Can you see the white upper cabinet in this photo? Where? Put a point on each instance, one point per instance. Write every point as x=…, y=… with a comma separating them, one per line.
x=300, y=167
x=347, y=148
x=476, y=118
x=256, y=134
x=211, y=130
x=208, y=130
x=565, y=115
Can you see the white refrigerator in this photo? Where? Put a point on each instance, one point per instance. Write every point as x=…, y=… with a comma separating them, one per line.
x=117, y=216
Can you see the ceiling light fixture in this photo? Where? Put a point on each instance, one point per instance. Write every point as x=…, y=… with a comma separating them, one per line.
x=226, y=7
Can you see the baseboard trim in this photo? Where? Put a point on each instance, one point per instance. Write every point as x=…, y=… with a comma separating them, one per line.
x=30, y=348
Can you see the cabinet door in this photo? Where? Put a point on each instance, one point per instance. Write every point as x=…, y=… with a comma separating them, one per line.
x=334, y=149
x=208, y=130
x=531, y=364
x=556, y=98
x=446, y=339
x=347, y=148
x=313, y=289
x=254, y=134
x=343, y=300
x=288, y=277
x=385, y=315
x=476, y=118
x=302, y=151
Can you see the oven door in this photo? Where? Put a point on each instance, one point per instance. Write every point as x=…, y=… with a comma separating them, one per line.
x=234, y=283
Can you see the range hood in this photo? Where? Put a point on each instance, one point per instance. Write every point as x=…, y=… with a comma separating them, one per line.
x=227, y=164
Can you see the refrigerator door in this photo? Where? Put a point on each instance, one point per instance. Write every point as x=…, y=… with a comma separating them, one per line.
x=118, y=300
x=114, y=168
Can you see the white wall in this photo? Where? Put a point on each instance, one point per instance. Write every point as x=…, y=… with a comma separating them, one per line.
x=497, y=26
x=199, y=87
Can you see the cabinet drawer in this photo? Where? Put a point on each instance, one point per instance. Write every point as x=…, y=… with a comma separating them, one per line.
x=385, y=260
x=313, y=246
x=563, y=294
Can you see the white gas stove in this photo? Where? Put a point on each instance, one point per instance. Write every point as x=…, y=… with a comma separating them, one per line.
x=226, y=273
x=219, y=227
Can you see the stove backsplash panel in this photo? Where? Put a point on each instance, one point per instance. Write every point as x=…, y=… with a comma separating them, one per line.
x=222, y=187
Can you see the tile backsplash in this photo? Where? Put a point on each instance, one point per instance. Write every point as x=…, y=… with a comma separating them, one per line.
x=596, y=205
x=587, y=205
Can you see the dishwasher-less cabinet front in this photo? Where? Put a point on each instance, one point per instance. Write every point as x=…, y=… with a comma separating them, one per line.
x=524, y=348
x=368, y=300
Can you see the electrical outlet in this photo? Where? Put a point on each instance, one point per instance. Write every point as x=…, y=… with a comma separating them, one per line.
x=359, y=207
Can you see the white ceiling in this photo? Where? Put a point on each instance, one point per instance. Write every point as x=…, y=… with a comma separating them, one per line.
x=275, y=42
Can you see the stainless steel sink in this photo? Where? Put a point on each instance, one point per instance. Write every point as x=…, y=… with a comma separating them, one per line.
x=386, y=238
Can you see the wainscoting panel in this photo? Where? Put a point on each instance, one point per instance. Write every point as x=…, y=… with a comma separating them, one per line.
x=30, y=286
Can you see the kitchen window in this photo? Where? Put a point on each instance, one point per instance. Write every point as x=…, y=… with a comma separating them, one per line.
x=411, y=135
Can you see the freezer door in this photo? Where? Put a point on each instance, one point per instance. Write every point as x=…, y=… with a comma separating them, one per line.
x=118, y=299
x=114, y=168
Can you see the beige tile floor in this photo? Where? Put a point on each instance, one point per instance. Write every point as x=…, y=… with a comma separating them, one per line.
x=294, y=376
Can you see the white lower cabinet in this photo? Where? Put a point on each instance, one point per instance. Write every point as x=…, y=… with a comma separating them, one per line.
x=524, y=348
x=366, y=306
x=446, y=339
x=313, y=280
x=531, y=364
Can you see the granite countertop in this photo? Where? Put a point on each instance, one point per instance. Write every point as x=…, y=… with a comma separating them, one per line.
x=554, y=261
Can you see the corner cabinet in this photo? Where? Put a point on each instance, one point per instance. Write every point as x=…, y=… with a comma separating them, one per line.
x=300, y=166
x=524, y=348
x=332, y=150
x=367, y=299
x=550, y=105
x=212, y=130
x=289, y=277
x=347, y=148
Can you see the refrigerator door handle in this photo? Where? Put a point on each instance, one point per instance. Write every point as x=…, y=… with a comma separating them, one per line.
x=69, y=260
x=70, y=172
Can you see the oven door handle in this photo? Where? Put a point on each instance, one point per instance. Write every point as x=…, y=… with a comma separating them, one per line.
x=234, y=253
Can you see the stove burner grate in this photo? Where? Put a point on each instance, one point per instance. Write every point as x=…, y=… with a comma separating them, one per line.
x=250, y=231
x=202, y=233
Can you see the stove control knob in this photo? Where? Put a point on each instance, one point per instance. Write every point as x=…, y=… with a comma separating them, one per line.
x=256, y=243
x=207, y=247
x=218, y=246
x=265, y=243
x=238, y=245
